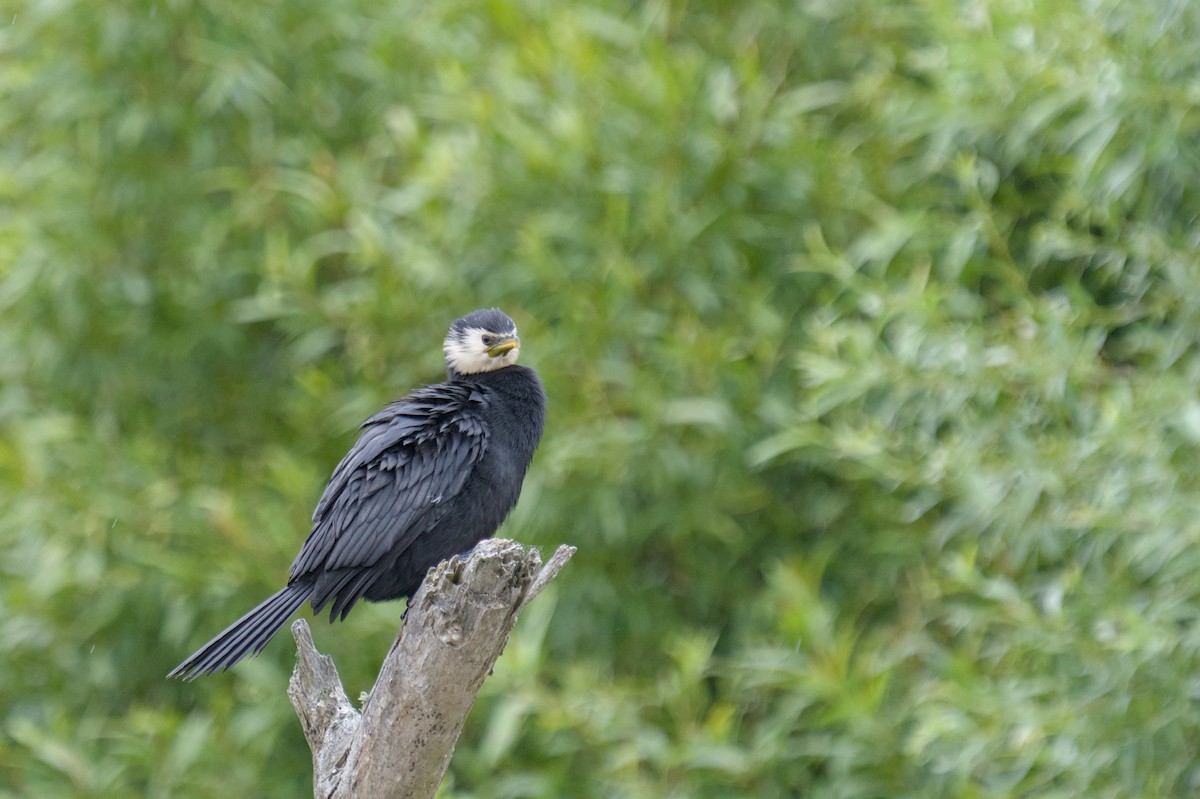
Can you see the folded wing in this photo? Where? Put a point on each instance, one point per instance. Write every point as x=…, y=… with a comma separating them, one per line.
x=411, y=459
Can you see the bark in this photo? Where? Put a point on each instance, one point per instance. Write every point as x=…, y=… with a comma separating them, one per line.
x=455, y=628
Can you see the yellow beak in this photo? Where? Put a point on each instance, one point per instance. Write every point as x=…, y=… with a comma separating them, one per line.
x=503, y=345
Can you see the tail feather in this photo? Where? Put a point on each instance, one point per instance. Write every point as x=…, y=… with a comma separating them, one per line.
x=248, y=635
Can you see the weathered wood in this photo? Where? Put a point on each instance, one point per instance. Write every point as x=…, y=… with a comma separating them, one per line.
x=455, y=628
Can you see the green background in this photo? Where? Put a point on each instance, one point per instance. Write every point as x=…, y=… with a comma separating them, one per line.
x=869, y=330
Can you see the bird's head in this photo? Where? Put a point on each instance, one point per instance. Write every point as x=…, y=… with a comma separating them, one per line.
x=482, y=341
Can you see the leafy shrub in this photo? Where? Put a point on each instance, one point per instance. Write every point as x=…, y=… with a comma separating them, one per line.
x=869, y=331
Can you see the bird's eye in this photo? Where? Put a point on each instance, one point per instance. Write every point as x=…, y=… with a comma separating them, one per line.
x=489, y=339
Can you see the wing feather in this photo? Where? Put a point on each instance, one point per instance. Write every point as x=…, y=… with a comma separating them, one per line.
x=412, y=457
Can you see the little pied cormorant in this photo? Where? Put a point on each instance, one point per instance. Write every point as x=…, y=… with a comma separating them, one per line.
x=431, y=475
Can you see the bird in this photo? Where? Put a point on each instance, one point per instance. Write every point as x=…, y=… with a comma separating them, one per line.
x=431, y=475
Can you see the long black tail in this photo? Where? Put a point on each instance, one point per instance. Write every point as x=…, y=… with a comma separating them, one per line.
x=248, y=635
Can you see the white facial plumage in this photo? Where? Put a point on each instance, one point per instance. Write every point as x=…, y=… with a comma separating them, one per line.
x=467, y=350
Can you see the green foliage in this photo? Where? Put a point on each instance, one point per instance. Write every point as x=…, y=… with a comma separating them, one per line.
x=869, y=331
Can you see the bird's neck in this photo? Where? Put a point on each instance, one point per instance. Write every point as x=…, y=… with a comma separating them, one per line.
x=521, y=386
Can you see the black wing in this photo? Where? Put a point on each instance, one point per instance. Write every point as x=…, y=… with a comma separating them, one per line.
x=413, y=456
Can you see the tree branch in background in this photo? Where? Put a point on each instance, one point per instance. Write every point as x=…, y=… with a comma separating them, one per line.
x=454, y=630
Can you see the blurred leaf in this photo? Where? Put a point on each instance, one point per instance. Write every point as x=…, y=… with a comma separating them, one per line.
x=869, y=329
